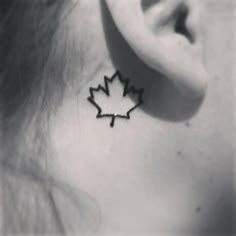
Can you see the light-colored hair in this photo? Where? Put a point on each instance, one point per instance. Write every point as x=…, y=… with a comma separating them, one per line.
x=32, y=85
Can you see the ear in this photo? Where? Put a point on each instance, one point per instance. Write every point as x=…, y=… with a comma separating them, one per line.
x=165, y=34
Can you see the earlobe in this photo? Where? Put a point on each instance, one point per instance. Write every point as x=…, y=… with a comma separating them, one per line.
x=165, y=35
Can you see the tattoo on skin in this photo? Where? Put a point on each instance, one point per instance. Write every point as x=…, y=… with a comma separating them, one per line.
x=103, y=98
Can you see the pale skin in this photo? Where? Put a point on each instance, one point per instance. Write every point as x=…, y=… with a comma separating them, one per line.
x=169, y=168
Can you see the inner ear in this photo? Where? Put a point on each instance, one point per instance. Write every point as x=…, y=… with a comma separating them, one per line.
x=180, y=24
x=174, y=16
x=146, y=4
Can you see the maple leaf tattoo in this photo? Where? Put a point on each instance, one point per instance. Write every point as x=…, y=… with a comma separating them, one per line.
x=113, y=100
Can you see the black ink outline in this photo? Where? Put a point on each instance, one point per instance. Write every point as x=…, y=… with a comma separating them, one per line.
x=105, y=89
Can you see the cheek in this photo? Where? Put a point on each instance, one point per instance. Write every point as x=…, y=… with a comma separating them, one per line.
x=218, y=30
x=219, y=56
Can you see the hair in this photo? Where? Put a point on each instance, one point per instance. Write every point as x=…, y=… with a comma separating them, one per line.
x=34, y=57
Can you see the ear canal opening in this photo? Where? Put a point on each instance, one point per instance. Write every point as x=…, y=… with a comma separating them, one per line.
x=180, y=25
